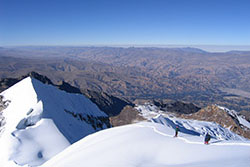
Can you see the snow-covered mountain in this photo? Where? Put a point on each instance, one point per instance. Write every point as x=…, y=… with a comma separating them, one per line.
x=38, y=121
x=151, y=145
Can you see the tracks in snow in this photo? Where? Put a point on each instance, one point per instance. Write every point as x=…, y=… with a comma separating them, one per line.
x=191, y=142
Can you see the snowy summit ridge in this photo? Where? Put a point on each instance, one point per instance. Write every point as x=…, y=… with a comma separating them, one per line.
x=150, y=145
x=41, y=120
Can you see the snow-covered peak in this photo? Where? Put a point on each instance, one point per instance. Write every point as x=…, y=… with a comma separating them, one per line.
x=40, y=114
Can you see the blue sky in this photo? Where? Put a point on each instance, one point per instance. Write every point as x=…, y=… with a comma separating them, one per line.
x=122, y=22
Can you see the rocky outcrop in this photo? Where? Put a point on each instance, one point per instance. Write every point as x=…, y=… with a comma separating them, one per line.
x=39, y=77
x=111, y=105
x=98, y=123
x=68, y=88
x=3, y=104
x=127, y=116
x=245, y=115
x=8, y=82
x=176, y=107
x=214, y=113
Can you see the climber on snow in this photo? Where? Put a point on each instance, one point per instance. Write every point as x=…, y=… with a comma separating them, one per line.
x=176, y=131
x=207, y=138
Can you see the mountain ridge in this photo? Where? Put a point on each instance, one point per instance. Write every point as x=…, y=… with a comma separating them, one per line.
x=109, y=104
x=41, y=120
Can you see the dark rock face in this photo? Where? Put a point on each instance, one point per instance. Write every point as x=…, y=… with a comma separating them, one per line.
x=176, y=107
x=8, y=82
x=96, y=122
x=68, y=88
x=127, y=116
x=3, y=104
x=39, y=77
x=111, y=105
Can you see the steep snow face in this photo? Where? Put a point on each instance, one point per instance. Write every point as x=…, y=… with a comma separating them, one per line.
x=40, y=121
x=150, y=145
x=199, y=128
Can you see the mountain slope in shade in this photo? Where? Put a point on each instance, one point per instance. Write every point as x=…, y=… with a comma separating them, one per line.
x=40, y=121
x=150, y=145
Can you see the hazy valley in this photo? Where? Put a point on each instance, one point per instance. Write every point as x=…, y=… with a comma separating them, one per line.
x=186, y=74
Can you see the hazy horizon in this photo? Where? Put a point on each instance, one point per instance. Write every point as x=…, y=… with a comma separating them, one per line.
x=207, y=48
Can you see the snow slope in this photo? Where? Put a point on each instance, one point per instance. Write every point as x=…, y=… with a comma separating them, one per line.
x=41, y=120
x=150, y=145
x=193, y=127
x=198, y=128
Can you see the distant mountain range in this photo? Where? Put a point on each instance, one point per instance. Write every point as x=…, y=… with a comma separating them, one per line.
x=186, y=74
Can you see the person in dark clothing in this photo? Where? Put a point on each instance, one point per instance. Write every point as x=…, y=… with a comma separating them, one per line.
x=176, y=131
x=207, y=138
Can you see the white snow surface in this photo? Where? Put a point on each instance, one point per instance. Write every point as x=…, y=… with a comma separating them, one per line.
x=193, y=127
x=151, y=145
x=36, y=124
x=198, y=128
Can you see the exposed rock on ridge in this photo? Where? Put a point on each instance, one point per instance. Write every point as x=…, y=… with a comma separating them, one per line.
x=128, y=115
x=176, y=107
x=214, y=113
x=111, y=105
